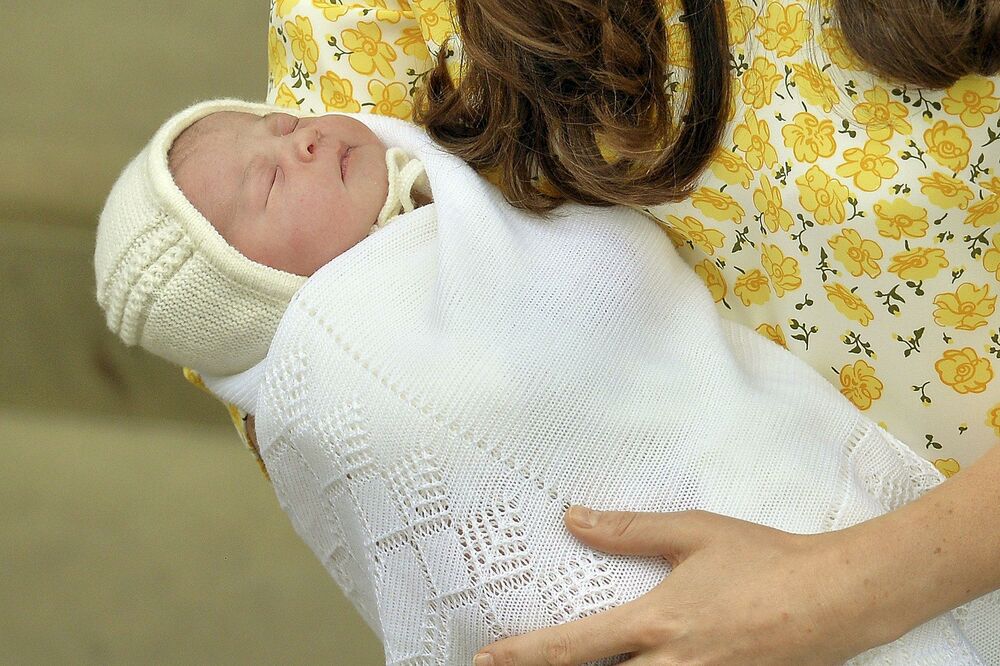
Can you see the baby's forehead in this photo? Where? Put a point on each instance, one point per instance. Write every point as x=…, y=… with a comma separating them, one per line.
x=205, y=163
x=205, y=133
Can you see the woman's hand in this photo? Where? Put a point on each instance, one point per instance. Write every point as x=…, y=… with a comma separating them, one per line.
x=738, y=593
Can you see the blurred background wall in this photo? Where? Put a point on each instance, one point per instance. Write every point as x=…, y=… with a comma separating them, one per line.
x=136, y=528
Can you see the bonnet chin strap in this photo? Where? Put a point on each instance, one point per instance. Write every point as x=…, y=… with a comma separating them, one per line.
x=406, y=176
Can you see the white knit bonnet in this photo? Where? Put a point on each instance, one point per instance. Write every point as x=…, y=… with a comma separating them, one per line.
x=168, y=281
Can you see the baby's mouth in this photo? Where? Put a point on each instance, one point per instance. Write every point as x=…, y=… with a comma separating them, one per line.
x=343, y=163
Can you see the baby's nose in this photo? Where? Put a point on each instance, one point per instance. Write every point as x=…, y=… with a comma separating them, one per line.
x=304, y=143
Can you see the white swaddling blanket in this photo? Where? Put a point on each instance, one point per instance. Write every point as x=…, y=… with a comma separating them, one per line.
x=435, y=397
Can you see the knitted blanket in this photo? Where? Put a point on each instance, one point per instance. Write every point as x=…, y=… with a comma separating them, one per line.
x=439, y=394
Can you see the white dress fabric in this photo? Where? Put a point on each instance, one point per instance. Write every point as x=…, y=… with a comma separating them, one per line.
x=436, y=397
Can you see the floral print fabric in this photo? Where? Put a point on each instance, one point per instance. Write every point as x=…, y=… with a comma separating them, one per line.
x=852, y=220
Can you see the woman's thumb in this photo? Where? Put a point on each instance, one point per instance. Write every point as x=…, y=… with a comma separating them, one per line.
x=669, y=535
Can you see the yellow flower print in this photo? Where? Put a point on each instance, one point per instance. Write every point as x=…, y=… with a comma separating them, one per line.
x=286, y=98
x=784, y=271
x=304, y=46
x=848, y=304
x=435, y=20
x=964, y=370
x=717, y=205
x=784, y=29
x=753, y=137
x=949, y=145
x=810, y=138
x=732, y=169
x=752, y=288
x=331, y=10
x=678, y=48
x=991, y=258
x=900, y=218
x=993, y=419
x=773, y=333
x=760, y=82
x=859, y=255
x=390, y=100
x=945, y=191
x=949, y=467
x=369, y=52
x=412, y=43
x=860, y=385
x=337, y=94
x=815, y=86
x=283, y=7
x=991, y=185
x=712, y=277
x=833, y=42
x=869, y=166
x=670, y=8
x=971, y=99
x=691, y=229
x=739, y=18
x=767, y=199
x=920, y=263
x=391, y=15
x=966, y=309
x=276, y=65
x=881, y=115
x=823, y=196
x=985, y=212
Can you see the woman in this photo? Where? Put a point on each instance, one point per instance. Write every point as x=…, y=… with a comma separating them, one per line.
x=851, y=219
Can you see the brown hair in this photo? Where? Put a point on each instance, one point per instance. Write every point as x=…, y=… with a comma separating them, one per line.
x=931, y=43
x=571, y=99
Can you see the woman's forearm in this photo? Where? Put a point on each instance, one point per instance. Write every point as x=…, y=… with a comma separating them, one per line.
x=931, y=555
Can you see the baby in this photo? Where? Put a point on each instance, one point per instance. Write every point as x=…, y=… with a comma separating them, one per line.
x=212, y=228
x=435, y=398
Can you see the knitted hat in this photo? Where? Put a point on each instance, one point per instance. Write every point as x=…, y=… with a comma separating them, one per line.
x=168, y=281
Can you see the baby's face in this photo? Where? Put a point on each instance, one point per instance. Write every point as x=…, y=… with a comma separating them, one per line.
x=291, y=193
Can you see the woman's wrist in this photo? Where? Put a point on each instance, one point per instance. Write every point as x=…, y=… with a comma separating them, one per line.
x=925, y=558
x=873, y=600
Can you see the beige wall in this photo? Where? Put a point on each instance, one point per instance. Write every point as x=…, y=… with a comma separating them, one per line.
x=83, y=91
x=136, y=529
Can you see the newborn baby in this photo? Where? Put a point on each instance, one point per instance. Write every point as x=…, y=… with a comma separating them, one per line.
x=287, y=192
x=435, y=397
x=209, y=232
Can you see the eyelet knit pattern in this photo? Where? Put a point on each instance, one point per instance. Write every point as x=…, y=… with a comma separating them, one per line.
x=435, y=399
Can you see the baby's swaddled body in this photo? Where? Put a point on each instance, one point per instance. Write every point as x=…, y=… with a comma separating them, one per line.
x=436, y=396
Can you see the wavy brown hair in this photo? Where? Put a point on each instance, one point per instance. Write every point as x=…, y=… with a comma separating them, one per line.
x=931, y=43
x=571, y=99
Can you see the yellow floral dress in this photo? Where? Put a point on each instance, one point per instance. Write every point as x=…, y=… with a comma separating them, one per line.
x=854, y=221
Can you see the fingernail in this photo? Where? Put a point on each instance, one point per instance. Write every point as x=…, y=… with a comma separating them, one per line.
x=582, y=516
x=482, y=660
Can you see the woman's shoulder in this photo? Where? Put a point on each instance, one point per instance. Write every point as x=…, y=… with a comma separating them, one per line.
x=855, y=221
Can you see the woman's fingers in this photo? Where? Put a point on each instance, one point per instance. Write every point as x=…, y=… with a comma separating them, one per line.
x=669, y=535
x=739, y=593
x=625, y=629
x=606, y=634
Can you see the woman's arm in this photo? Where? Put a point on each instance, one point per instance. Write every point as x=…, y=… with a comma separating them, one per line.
x=742, y=593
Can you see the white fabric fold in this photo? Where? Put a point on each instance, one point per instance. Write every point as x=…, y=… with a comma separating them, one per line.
x=435, y=398
x=239, y=389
